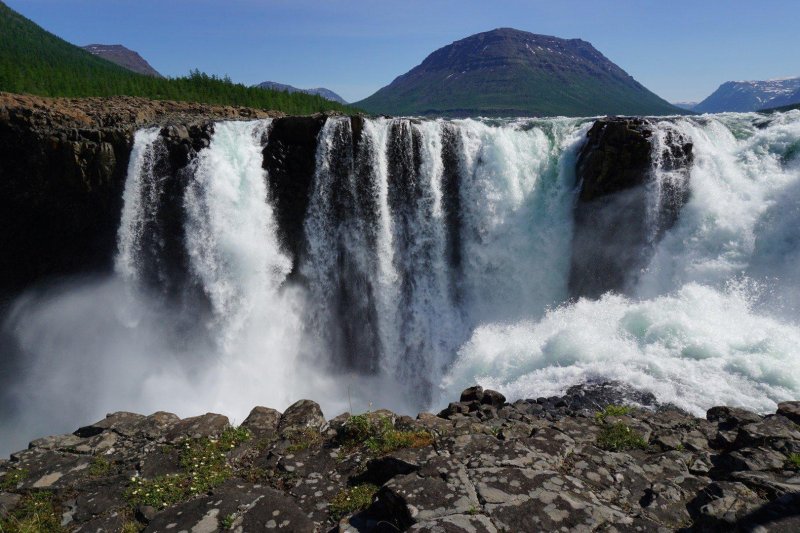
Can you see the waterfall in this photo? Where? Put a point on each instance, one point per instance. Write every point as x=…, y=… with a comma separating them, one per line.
x=140, y=204
x=433, y=254
x=713, y=317
x=392, y=298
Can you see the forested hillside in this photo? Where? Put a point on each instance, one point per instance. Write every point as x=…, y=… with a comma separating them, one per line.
x=35, y=61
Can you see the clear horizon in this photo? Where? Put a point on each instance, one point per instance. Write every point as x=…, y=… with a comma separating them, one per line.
x=681, y=51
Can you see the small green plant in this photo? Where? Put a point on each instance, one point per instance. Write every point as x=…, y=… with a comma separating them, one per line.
x=380, y=436
x=618, y=437
x=612, y=410
x=204, y=466
x=472, y=511
x=37, y=512
x=794, y=461
x=12, y=478
x=227, y=521
x=99, y=467
x=348, y=501
x=129, y=526
x=358, y=428
x=303, y=440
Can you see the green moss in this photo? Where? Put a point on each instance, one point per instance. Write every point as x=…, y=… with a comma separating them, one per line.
x=204, y=466
x=12, y=478
x=351, y=500
x=37, y=512
x=612, y=410
x=619, y=437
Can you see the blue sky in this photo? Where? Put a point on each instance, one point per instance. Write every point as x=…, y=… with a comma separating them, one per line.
x=682, y=50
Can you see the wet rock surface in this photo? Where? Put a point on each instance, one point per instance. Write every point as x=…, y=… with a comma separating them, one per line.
x=577, y=462
x=633, y=180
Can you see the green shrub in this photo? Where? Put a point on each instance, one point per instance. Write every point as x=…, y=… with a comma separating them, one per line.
x=350, y=500
x=618, y=437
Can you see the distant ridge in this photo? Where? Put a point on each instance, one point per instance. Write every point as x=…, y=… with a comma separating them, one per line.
x=507, y=72
x=685, y=105
x=754, y=95
x=124, y=57
x=320, y=91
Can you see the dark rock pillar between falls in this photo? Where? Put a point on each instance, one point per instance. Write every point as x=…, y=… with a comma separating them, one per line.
x=618, y=217
x=290, y=162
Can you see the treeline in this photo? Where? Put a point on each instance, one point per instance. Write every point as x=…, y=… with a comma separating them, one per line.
x=34, y=61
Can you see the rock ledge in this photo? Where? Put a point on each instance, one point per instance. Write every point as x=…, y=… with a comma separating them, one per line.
x=573, y=462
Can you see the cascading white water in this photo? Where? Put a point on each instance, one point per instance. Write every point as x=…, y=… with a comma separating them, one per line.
x=230, y=229
x=706, y=324
x=140, y=199
x=515, y=198
x=436, y=254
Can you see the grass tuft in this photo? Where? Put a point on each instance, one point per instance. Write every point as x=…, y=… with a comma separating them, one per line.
x=794, y=461
x=619, y=437
x=12, y=478
x=37, y=512
x=350, y=500
x=99, y=467
x=380, y=436
x=303, y=439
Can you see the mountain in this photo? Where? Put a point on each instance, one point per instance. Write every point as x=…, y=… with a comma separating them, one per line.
x=319, y=91
x=34, y=61
x=507, y=72
x=124, y=57
x=789, y=100
x=745, y=96
x=688, y=106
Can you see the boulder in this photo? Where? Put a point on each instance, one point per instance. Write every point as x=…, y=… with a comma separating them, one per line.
x=262, y=422
x=472, y=394
x=790, y=410
x=301, y=415
x=493, y=398
x=207, y=425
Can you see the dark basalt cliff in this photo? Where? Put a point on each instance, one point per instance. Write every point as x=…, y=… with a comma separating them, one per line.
x=618, y=215
x=581, y=462
x=63, y=164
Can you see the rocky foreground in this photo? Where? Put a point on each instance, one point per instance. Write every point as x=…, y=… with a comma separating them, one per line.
x=578, y=462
